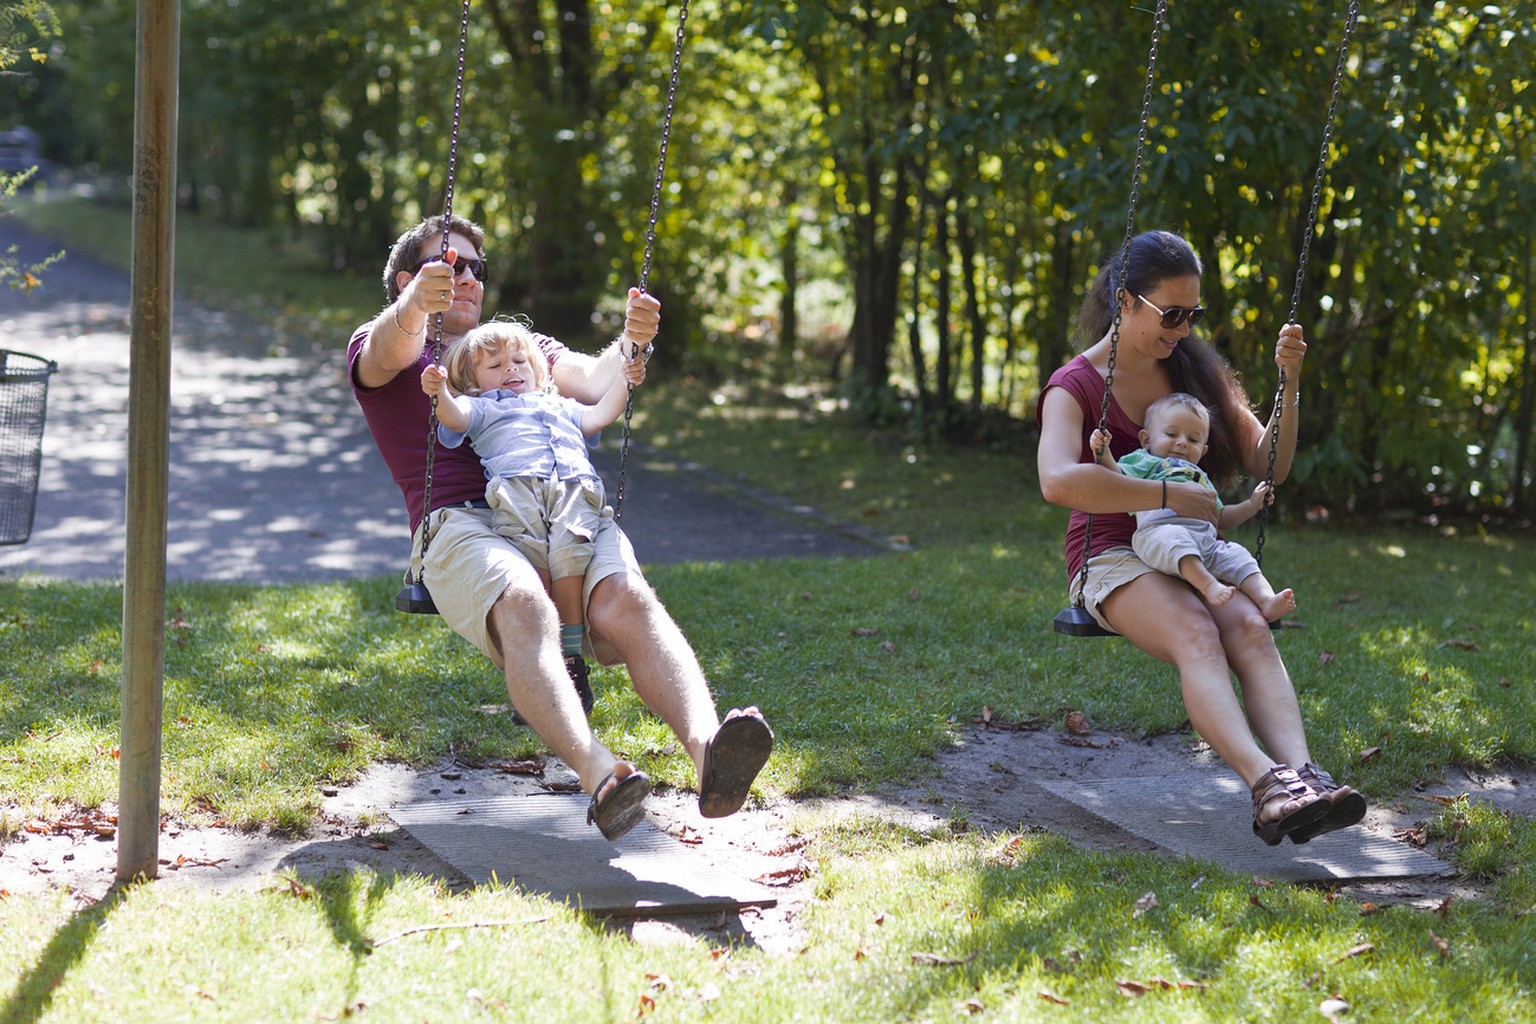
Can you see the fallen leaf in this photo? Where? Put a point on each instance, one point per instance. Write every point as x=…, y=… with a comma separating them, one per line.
x=1262, y=883
x=864, y=631
x=1368, y=908
x=937, y=960
x=914, y=594
x=1332, y=1007
x=1465, y=645
x=1052, y=997
x=1443, y=946
x=794, y=845
x=986, y=715
x=1369, y=754
x=379, y=844
x=1505, y=683
x=1076, y=724
x=971, y=1005
x=1357, y=950
x=863, y=952
x=785, y=876
x=1146, y=903
x=1126, y=987
x=1323, y=658
x=889, y=647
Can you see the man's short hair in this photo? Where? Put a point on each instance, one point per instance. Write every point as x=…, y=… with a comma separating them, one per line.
x=407, y=249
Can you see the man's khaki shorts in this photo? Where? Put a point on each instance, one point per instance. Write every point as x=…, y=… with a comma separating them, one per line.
x=469, y=566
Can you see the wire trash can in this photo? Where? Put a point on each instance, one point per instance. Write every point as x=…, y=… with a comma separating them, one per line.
x=23, y=406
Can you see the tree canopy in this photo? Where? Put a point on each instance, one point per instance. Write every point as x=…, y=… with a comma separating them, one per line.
x=911, y=197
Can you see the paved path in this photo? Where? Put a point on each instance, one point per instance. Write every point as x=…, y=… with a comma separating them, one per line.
x=273, y=476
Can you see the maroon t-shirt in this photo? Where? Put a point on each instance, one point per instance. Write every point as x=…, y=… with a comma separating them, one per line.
x=397, y=416
x=1084, y=383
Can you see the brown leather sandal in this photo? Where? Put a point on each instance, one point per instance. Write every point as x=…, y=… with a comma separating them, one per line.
x=1346, y=805
x=1283, y=783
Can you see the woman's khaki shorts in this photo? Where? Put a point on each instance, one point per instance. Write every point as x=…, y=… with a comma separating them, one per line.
x=469, y=567
x=1108, y=571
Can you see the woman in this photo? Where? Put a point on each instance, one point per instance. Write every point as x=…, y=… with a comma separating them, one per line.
x=1162, y=615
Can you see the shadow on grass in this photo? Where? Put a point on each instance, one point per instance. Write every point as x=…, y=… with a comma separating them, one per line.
x=35, y=989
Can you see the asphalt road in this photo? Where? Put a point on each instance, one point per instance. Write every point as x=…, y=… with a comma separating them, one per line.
x=273, y=476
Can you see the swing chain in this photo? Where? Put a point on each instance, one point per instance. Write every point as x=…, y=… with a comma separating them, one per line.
x=650, y=245
x=437, y=328
x=1143, y=131
x=1301, y=263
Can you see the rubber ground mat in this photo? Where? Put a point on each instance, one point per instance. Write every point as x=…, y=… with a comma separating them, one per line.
x=1209, y=815
x=543, y=844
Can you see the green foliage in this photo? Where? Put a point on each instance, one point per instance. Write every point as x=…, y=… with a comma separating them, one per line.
x=912, y=197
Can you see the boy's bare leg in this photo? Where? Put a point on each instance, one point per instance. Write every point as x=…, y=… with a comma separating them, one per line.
x=1198, y=576
x=1271, y=605
x=567, y=596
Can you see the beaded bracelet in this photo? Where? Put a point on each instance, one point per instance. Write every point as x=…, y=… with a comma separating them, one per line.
x=395, y=311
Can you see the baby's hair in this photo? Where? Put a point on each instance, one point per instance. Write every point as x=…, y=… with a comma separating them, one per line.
x=496, y=336
x=1182, y=399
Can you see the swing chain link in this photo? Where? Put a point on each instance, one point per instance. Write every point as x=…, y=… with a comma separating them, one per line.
x=1120, y=292
x=1318, y=181
x=650, y=245
x=437, y=328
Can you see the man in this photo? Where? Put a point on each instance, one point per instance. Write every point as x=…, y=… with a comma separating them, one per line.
x=488, y=592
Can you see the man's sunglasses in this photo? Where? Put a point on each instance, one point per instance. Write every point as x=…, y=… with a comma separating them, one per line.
x=475, y=267
x=1173, y=316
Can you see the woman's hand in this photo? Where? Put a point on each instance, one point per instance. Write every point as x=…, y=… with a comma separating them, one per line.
x=1191, y=500
x=1290, y=350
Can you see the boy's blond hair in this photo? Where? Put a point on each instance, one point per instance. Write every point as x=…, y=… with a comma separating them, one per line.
x=488, y=339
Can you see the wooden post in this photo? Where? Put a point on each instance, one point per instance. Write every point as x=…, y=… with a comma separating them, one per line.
x=149, y=385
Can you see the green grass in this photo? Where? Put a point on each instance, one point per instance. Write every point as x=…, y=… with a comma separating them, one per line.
x=1413, y=642
x=904, y=926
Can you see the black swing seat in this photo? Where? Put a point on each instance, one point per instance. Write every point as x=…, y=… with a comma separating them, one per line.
x=415, y=600
x=1075, y=621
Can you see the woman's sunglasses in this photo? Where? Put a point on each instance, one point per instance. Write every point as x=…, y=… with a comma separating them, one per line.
x=1173, y=316
x=475, y=267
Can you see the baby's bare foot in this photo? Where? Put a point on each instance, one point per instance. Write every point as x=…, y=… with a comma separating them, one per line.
x=1279, y=606
x=1218, y=593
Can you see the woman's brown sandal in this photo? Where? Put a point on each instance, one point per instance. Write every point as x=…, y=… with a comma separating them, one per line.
x=1282, y=782
x=1346, y=806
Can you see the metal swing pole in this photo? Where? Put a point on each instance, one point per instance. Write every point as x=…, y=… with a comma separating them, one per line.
x=149, y=376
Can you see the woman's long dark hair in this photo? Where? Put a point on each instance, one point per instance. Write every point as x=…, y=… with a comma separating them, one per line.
x=1194, y=366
